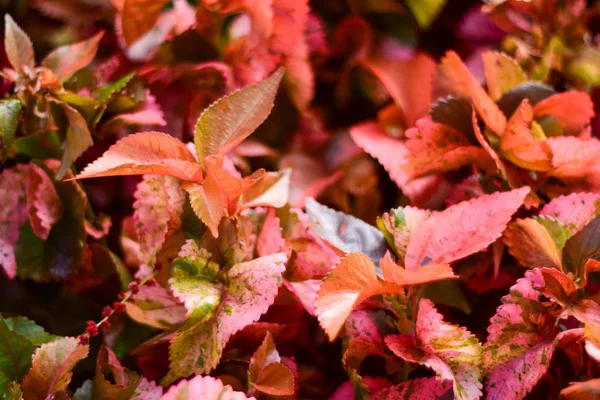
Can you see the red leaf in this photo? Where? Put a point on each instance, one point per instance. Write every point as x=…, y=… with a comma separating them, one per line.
x=418, y=389
x=573, y=110
x=518, y=144
x=146, y=153
x=437, y=148
x=69, y=59
x=453, y=77
x=17, y=45
x=44, y=205
x=463, y=229
x=408, y=82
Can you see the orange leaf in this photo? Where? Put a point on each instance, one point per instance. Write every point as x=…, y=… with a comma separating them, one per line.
x=518, y=144
x=266, y=372
x=146, y=153
x=68, y=59
x=44, y=205
x=400, y=276
x=453, y=77
x=573, y=110
x=532, y=244
x=208, y=202
x=138, y=17
x=17, y=45
x=502, y=73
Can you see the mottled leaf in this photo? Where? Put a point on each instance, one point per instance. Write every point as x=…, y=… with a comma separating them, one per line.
x=51, y=368
x=203, y=387
x=451, y=351
x=155, y=307
x=574, y=210
x=421, y=389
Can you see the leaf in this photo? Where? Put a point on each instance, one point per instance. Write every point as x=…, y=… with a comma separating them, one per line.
x=251, y=290
x=77, y=141
x=453, y=77
x=582, y=246
x=396, y=274
x=208, y=202
x=267, y=373
x=502, y=73
x=582, y=390
x=44, y=205
x=13, y=214
x=138, y=17
x=352, y=281
x=146, y=153
x=398, y=225
x=463, y=229
x=536, y=242
x=127, y=384
x=156, y=307
x=435, y=148
x=15, y=355
x=519, y=146
x=451, y=351
x=10, y=110
x=574, y=210
x=69, y=59
x=194, y=282
x=231, y=119
x=522, y=339
x=421, y=388
x=345, y=232
x=408, y=82
x=158, y=208
x=425, y=11
x=17, y=45
x=205, y=387
x=30, y=330
x=575, y=162
x=573, y=110
x=272, y=190
x=51, y=368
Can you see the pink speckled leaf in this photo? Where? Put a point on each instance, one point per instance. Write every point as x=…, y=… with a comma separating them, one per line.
x=146, y=153
x=574, y=210
x=575, y=161
x=450, y=350
x=13, y=213
x=203, y=387
x=522, y=337
x=417, y=389
x=156, y=307
x=44, y=205
x=373, y=385
x=573, y=110
x=252, y=289
x=158, y=206
x=463, y=229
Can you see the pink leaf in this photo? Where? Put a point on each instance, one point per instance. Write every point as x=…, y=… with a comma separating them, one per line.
x=13, y=213
x=44, y=205
x=146, y=153
x=463, y=229
x=270, y=239
x=451, y=351
x=574, y=210
x=17, y=45
x=203, y=387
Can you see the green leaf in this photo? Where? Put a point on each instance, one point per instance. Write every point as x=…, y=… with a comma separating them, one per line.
x=15, y=356
x=231, y=119
x=106, y=92
x=447, y=292
x=582, y=246
x=9, y=121
x=425, y=11
x=14, y=392
x=29, y=329
x=77, y=141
